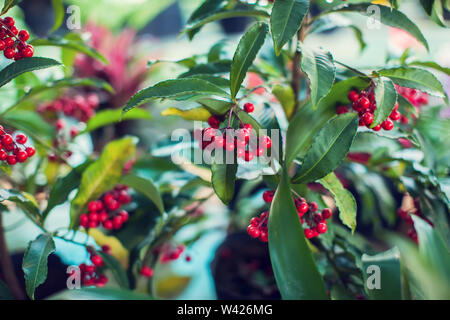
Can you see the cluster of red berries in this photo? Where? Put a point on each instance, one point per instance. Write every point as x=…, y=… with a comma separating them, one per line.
x=80, y=107
x=231, y=139
x=107, y=210
x=365, y=105
x=146, y=272
x=416, y=97
x=406, y=216
x=91, y=274
x=313, y=222
x=13, y=42
x=13, y=149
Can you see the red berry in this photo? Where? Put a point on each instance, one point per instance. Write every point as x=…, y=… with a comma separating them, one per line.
x=367, y=118
x=395, y=115
x=266, y=142
x=12, y=160
x=219, y=142
x=9, y=53
x=321, y=227
x=377, y=127
x=387, y=125
x=146, y=272
x=253, y=232
x=97, y=260
x=341, y=110
x=93, y=217
x=264, y=236
x=3, y=155
x=2, y=45
x=30, y=151
x=21, y=138
x=353, y=96
x=363, y=103
x=214, y=122
x=24, y=35
x=268, y=196
x=249, y=107
x=84, y=220
x=27, y=52
x=7, y=140
x=327, y=213
x=9, y=21
x=108, y=225
x=317, y=217
x=249, y=156
x=313, y=206
x=308, y=233
x=302, y=208
x=21, y=156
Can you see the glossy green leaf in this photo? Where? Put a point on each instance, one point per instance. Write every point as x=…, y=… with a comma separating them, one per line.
x=59, y=13
x=216, y=51
x=285, y=20
x=174, y=89
x=225, y=15
x=302, y=129
x=146, y=187
x=25, y=65
x=285, y=95
x=319, y=67
x=217, y=105
x=211, y=68
x=385, y=97
x=8, y=4
x=72, y=44
x=108, y=117
x=386, y=266
x=430, y=64
x=415, y=78
x=29, y=122
x=245, y=54
x=432, y=247
x=344, y=200
x=63, y=187
x=435, y=10
x=102, y=175
x=390, y=17
x=293, y=264
x=207, y=8
x=329, y=148
x=34, y=263
x=119, y=273
x=223, y=180
x=26, y=202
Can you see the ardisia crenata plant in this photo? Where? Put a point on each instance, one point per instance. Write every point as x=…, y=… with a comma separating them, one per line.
x=340, y=172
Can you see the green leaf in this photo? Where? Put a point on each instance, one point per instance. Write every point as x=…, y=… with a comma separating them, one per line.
x=72, y=44
x=174, y=89
x=339, y=91
x=415, y=78
x=217, y=106
x=211, y=68
x=225, y=15
x=102, y=175
x=293, y=264
x=119, y=273
x=63, y=187
x=390, y=17
x=303, y=127
x=285, y=95
x=24, y=201
x=390, y=274
x=434, y=9
x=34, y=263
x=216, y=51
x=245, y=54
x=59, y=13
x=329, y=148
x=8, y=5
x=432, y=246
x=385, y=97
x=99, y=294
x=25, y=65
x=285, y=20
x=430, y=64
x=319, y=67
x=29, y=122
x=107, y=117
x=223, y=180
x=207, y=8
x=146, y=187
x=344, y=200
x=199, y=113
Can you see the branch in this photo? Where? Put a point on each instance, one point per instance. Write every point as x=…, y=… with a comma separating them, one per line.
x=296, y=72
x=7, y=268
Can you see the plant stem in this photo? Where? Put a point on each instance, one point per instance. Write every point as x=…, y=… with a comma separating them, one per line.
x=296, y=72
x=351, y=68
x=7, y=268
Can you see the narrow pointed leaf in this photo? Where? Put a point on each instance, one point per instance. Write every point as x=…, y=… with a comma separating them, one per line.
x=344, y=200
x=223, y=180
x=245, y=54
x=35, y=262
x=293, y=264
x=320, y=69
x=385, y=97
x=146, y=187
x=285, y=20
x=329, y=148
